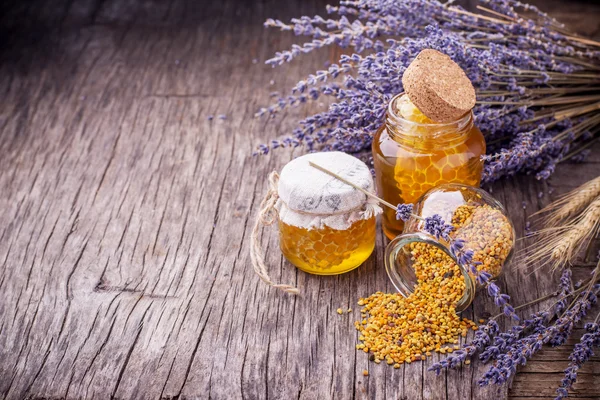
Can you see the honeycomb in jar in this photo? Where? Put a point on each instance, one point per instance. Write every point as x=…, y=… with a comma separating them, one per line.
x=410, y=160
x=434, y=164
x=328, y=251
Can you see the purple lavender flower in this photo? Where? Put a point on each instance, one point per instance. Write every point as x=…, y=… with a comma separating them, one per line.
x=456, y=246
x=404, y=211
x=581, y=156
x=436, y=226
x=466, y=257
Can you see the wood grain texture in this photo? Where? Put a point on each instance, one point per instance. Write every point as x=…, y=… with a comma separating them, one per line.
x=126, y=216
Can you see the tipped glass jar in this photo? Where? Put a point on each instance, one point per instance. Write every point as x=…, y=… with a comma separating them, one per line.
x=479, y=222
x=412, y=154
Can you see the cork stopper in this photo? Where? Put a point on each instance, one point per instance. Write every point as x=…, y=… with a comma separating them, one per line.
x=438, y=86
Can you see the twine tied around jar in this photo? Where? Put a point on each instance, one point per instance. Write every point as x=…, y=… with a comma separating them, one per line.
x=266, y=217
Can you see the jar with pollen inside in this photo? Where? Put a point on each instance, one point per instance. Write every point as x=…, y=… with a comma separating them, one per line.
x=326, y=227
x=478, y=221
x=412, y=154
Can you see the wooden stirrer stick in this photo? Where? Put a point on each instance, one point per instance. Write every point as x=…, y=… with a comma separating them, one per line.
x=369, y=194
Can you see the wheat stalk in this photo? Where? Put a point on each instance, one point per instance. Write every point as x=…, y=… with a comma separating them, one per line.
x=560, y=244
x=571, y=204
x=583, y=230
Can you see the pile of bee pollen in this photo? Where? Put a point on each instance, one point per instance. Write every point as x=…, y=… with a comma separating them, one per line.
x=395, y=329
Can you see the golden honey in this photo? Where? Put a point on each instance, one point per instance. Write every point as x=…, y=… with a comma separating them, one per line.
x=328, y=251
x=413, y=154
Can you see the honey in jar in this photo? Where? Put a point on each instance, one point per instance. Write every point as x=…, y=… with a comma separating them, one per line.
x=328, y=251
x=429, y=136
x=326, y=227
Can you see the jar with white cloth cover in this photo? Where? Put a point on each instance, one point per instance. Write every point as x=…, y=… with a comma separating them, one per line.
x=326, y=227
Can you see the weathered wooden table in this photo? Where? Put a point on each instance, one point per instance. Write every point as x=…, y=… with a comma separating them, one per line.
x=126, y=213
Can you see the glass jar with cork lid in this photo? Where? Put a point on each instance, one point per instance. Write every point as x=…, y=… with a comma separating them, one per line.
x=326, y=226
x=429, y=136
x=478, y=226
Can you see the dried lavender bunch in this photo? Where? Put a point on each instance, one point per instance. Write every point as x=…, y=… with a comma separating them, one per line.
x=523, y=69
x=515, y=346
x=518, y=353
x=496, y=342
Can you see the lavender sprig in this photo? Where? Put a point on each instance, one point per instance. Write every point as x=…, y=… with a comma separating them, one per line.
x=483, y=337
x=564, y=289
x=581, y=353
x=483, y=278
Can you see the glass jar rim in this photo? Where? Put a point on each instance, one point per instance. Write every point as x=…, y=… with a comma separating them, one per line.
x=461, y=122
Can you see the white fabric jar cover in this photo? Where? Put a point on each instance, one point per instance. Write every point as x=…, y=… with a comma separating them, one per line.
x=311, y=199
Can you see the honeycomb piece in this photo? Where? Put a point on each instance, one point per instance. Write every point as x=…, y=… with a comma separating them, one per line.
x=328, y=251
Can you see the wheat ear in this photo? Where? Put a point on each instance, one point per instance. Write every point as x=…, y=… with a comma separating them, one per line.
x=562, y=243
x=570, y=204
x=584, y=229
